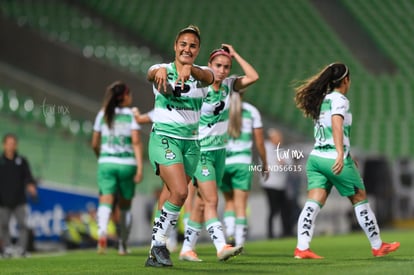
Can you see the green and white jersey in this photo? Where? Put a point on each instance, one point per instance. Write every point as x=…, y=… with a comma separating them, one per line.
x=214, y=118
x=177, y=112
x=116, y=143
x=240, y=150
x=334, y=103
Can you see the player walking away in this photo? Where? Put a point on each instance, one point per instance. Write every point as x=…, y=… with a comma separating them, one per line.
x=245, y=127
x=210, y=169
x=323, y=98
x=117, y=144
x=173, y=146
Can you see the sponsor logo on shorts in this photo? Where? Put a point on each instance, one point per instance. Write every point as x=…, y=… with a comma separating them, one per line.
x=169, y=154
x=204, y=171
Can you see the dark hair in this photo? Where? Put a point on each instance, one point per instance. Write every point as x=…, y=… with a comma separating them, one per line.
x=310, y=94
x=9, y=135
x=114, y=96
x=189, y=29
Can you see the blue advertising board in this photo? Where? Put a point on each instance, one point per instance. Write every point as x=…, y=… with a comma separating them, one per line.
x=47, y=214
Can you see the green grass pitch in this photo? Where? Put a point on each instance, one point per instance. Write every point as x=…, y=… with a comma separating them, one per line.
x=344, y=254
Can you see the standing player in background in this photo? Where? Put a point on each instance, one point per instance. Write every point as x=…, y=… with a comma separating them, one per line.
x=213, y=135
x=173, y=146
x=117, y=144
x=245, y=126
x=322, y=97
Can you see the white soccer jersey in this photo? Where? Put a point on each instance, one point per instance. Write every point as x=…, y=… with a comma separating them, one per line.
x=177, y=112
x=214, y=118
x=116, y=142
x=334, y=103
x=240, y=150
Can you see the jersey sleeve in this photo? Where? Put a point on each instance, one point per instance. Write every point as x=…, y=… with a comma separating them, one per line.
x=98, y=122
x=339, y=106
x=134, y=123
x=151, y=114
x=257, y=119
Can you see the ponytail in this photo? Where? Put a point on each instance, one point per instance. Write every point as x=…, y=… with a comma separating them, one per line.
x=310, y=94
x=235, y=115
x=114, y=96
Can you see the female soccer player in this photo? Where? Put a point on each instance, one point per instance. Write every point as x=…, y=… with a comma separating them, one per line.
x=173, y=146
x=322, y=97
x=117, y=144
x=210, y=169
x=245, y=126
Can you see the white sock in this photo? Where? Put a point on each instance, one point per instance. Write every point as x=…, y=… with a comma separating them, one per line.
x=104, y=211
x=306, y=224
x=368, y=222
x=191, y=235
x=229, y=221
x=156, y=220
x=215, y=230
x=125, y=223
x=241, y=231
x=168, y=218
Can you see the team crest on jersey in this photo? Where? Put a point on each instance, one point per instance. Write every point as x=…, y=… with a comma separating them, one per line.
x=224, y=93
x=204, y=171
x=169, y=154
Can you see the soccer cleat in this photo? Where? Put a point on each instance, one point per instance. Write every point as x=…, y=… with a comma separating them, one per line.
x=385, y=249
x=231, y=241
x=102, y=243
x=229, y=251
x=122, y=248
x=190, y=256
x=152, y=262
x=162, y=255
x=306, y=254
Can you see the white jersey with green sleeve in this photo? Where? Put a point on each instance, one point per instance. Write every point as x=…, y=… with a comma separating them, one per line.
x=240, y=150
x=116, y=142
x=177, y=112
x=334, y=103
x=214, y=118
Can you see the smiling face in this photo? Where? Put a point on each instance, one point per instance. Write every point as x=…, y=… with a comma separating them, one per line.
x=221, y=66
x=186, y=48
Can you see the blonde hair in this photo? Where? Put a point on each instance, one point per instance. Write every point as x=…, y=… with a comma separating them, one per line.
x=235, y=115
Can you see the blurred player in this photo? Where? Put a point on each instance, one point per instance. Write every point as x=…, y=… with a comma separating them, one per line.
x=117, y=144
x=245, y=126
x=322, y=97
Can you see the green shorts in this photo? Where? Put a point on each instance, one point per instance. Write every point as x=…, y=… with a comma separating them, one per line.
x=164, y=150
x=211, y=166
x=236, y=176
x=320, y=175
x=113, y=178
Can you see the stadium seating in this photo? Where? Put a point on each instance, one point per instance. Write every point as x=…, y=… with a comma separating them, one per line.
x=63, y=23
x=284, y=40
x=55, y=146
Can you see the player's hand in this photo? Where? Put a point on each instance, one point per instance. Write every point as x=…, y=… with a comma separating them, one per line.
x=338, y=165
x=232, y=51
x=265, y=172
x=160, y=79
x=135, y=111
x=184, y=75
x=138, y=177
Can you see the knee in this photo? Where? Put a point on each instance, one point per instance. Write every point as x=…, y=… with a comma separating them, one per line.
x=180, y=195
x=210, y=203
